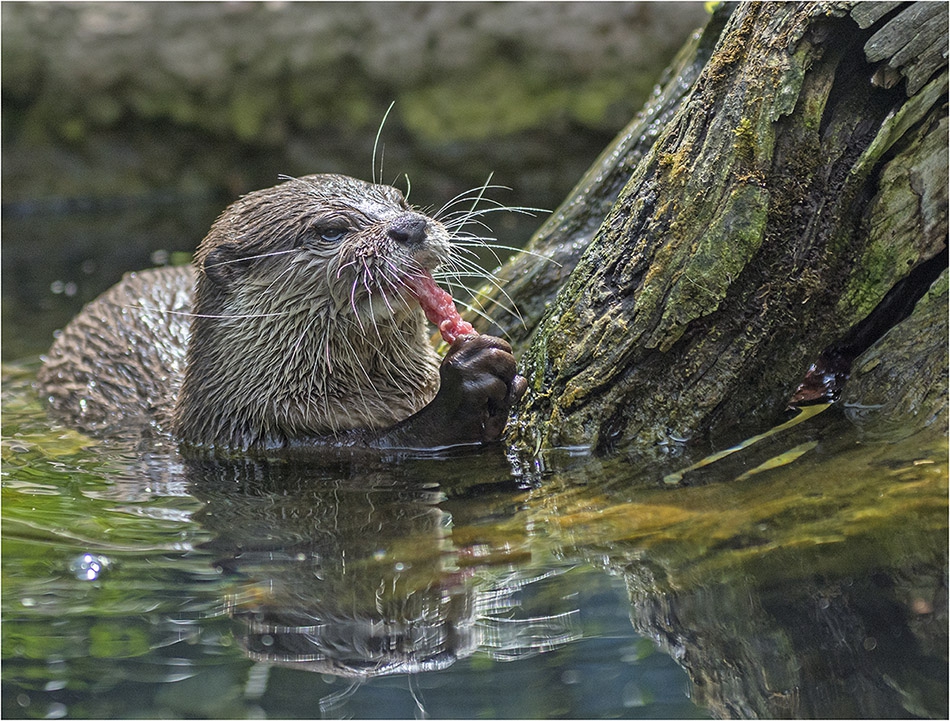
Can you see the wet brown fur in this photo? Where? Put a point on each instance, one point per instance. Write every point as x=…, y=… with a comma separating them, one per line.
x=293, y=332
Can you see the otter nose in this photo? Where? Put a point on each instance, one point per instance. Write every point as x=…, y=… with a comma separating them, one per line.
x=408, y=229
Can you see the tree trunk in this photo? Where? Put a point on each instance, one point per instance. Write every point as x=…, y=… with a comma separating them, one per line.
x=512, y=306
x=798, y=182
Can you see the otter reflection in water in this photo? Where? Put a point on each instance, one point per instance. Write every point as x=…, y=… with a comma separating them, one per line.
x=352, y=568
x=302, y=322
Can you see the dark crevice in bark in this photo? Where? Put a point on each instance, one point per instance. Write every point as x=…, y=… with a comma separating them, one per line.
x=827, y=376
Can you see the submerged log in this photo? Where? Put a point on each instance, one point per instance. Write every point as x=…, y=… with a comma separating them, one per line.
x=802, y=177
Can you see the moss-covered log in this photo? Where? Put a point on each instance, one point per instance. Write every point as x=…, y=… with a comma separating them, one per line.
x=801, y=178
x=512, y=305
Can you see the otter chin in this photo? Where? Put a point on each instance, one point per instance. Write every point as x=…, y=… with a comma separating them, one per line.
x=303, y=321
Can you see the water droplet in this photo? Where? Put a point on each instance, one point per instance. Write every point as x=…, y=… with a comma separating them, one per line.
x=88, y=566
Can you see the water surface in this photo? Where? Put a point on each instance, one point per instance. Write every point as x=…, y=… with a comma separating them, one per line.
x=803, y=576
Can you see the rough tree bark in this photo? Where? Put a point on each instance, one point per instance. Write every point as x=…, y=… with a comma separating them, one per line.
x=512, y=306
x=802, y=176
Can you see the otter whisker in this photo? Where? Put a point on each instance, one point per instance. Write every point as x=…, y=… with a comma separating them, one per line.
x=379, y=132
x=469, y=255
x=472, y=306
x=245, y=258
x=455, y=229
x=286, y=274
x=459, y=219
x=462, y=268
x=475, y=300
x=453, y=278
x=189, y=314
x=389, y=364
x=463, y=197
x=468, y=260
x=509, y=307
x=478, y=242
x=357, y=364
x=382, y=292
x=365, y=276
x=356, y=312
x=344, y=266
x=496, y=206
x=295, y=350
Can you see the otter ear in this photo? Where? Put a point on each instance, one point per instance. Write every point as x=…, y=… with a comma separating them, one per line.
x=224, y=263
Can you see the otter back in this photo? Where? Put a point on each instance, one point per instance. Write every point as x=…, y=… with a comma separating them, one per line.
x=117, y=365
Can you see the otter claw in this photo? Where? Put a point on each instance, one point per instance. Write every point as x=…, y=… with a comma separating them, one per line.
x=479, y=385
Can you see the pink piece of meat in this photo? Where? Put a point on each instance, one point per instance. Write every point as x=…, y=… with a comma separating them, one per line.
x=439, y=308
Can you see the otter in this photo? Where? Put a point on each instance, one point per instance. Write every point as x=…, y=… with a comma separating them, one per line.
x=301, y=322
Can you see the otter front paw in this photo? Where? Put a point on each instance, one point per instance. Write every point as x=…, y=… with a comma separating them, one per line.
x=479, y=384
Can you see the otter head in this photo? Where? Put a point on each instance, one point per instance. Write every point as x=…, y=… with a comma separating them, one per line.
x=304, y=324
x=329, y=238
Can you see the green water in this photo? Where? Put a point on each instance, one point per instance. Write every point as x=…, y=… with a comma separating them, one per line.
x=802, y=576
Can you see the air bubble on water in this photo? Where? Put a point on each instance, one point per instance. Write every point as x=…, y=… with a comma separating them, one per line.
x=88, y=566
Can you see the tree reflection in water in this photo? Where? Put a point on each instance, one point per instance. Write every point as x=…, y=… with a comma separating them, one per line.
x=787, y=584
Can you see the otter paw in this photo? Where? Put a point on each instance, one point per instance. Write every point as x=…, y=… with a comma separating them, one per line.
x=479, y=384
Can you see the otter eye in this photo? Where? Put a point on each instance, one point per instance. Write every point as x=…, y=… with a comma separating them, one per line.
x=332, y=235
